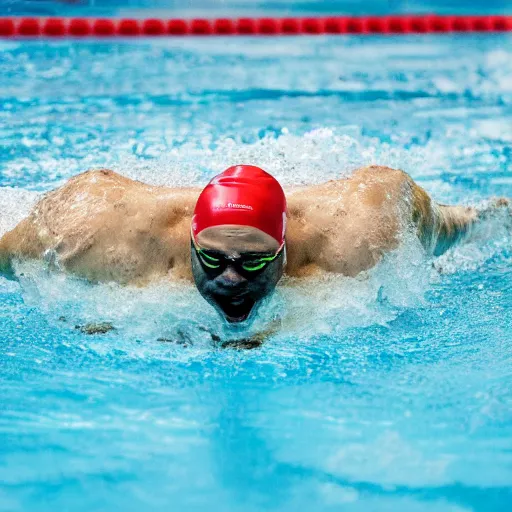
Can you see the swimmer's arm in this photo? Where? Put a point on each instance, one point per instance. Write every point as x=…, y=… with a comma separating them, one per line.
x=442, y=226
x=20, y=242
x=6, y=269
x=253, y=341
x=452, y=224
x=439, y=226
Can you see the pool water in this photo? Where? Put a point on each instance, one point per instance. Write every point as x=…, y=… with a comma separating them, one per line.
x=219, y=8
x=388, y=392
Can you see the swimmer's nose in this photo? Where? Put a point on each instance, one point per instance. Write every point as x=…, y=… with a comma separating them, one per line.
x=231, y=279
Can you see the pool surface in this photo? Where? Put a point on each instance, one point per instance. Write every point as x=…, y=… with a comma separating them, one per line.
x=388, y=392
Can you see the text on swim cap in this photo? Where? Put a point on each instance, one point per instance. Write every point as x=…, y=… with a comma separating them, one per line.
x=235, y=205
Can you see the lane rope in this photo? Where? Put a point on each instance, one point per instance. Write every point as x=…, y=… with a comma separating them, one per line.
x=55, y=27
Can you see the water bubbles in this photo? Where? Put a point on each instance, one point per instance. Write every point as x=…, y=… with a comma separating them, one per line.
x=325, y=305
x=390, y=390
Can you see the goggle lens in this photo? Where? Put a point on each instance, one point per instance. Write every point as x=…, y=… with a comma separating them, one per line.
x=217, y=263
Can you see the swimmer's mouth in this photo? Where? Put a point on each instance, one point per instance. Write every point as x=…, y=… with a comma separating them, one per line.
x=235, y=310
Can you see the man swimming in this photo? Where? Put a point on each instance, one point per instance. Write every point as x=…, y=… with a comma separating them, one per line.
x=234, y=239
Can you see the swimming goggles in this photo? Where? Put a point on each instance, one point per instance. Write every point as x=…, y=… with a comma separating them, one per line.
x=248, y=264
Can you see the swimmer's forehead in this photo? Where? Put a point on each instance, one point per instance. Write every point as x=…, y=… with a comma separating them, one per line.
x=230, y=238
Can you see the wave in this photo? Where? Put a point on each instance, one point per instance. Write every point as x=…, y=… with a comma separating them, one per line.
x=299, y=308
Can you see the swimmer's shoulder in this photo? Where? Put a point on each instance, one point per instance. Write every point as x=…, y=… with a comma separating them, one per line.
x=105, y=197
x=90, y=184
x=112, y=187
x=378, y=187
x=99, y=180
x=300, y=197
x=371, y=186
x=165, y=207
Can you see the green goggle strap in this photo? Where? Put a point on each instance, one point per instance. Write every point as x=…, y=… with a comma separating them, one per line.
x=206, y=257
x=261, y=263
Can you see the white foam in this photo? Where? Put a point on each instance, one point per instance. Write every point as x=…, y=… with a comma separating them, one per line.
x=15, y=204
x=490, y=237
x=316, y=306
x=314, y=157
x=176, y=312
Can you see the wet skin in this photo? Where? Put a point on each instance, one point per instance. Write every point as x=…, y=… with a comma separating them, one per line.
x=233, y=292
x=105, y=227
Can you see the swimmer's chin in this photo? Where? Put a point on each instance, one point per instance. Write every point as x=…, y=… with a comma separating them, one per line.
x=236, y=312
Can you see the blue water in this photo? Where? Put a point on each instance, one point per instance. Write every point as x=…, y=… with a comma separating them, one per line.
x=390, y=392
x=212, y=8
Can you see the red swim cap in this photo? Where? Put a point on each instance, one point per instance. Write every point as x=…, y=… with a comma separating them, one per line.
x=244, y=195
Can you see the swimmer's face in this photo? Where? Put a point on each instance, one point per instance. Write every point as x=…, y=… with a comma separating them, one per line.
x=235, y=267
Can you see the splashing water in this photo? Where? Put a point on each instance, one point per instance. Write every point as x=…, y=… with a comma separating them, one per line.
x=320, y=305
x=389, y=391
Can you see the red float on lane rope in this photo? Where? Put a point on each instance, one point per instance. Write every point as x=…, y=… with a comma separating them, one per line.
x=114, y=27
x=80, y=27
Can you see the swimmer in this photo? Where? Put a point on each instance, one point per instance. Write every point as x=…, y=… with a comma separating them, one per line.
x=235, y=238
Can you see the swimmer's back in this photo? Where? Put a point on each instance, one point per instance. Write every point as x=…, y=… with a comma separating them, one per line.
x=104, y=226
x=345, y=225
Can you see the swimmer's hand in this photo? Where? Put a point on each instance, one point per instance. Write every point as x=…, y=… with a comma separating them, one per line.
x=245, y=343
x=95, y=328
x=6, y=269
x=185, y=339
x=181, y=337
x=495, y=203
x=254, y=341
